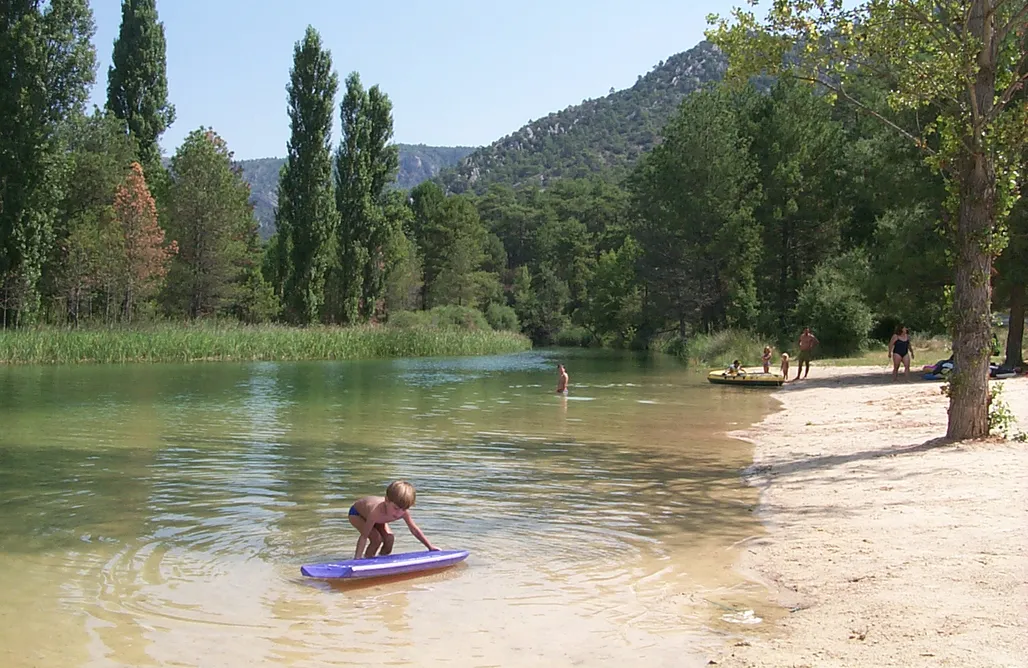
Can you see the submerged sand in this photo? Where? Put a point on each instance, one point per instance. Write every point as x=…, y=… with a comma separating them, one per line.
x=886, y=545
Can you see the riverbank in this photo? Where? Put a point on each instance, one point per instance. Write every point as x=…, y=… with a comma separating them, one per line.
x=886, y=546
x=222, y=342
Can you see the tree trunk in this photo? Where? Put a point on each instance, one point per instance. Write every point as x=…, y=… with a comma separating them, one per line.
x=1015, y=335
x=972, y=340
x=969, y=391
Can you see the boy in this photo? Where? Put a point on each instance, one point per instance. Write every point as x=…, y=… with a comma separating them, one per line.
x=785, y=365
x=371, y=516
x=562, y=379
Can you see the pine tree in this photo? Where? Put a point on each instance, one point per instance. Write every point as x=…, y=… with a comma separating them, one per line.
x=365, y=165
x=137, y=81
x=46, y=67
x=306, y=213
x=211, y=218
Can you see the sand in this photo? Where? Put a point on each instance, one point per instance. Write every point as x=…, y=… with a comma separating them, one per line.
x=886, y=545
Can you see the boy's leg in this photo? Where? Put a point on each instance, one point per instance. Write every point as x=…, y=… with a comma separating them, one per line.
x=374, y=537
x=387, y=538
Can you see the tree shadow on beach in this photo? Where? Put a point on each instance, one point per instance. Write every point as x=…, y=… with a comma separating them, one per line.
x=864, y=377
x=830, y=461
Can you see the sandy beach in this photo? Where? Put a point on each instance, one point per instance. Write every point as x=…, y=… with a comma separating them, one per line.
x=886, y=545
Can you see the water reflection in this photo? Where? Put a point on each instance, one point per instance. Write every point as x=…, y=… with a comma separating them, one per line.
x=156, y=515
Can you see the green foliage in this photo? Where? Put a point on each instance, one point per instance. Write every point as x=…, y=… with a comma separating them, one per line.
x=451, y=239
x=614, y=304
x=575, y=337
x=799, y=150
x=365, y=165
x=694, y=197
x=717, y=349
x=441, y=317
x=910, y=270
x=137, y=81
x=225, y=341
x=212, y=221
x=307, y=213
x=832, y=304
x=1002, y=420
x=46, y=68
x=502, y=317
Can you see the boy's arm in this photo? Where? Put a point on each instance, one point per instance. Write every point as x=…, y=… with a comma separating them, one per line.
x=416, y=532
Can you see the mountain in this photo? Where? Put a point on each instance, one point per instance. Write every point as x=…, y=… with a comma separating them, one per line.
x=417, y=163
x=604, y=135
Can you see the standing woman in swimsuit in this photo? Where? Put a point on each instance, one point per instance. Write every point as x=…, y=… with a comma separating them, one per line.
x=900, y=351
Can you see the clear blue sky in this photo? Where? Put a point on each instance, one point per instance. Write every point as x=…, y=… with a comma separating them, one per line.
x=458, y=72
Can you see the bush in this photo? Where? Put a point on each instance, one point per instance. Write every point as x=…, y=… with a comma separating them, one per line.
x=831, y=303
x=458, y=317
x=502, y=318
x=718, y=349
x=441, y=317
x=575, y=337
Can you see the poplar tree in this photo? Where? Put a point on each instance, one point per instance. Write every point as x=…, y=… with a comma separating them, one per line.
x=46, y=66
x=137, y=81
x=306, y=213
x=365, y=165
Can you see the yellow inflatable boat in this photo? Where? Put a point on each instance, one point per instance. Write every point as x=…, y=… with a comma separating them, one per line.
x=748, y=379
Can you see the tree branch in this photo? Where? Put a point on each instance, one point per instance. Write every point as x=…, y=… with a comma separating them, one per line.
x=1019, y=18
x=839, y=90
x=1014, y=86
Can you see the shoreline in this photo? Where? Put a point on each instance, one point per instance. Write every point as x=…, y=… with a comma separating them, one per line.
x=884, y=544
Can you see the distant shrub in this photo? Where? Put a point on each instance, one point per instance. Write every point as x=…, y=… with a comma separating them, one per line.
x=459, y=317
x=717, y=349
x=575, y=337
x=441, y=317
x=502, y=318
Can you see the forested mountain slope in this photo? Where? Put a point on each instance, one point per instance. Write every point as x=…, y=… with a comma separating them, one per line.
x=605, y=135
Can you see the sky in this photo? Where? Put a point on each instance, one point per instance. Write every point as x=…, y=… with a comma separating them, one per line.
x=459, y=73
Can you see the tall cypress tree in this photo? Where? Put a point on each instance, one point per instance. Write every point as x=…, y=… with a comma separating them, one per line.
x=306, y=212
x=137, y=81
x=46, y=66
x=365, y=165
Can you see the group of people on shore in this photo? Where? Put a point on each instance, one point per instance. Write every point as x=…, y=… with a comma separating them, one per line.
x=806, y=343
x=900, y=353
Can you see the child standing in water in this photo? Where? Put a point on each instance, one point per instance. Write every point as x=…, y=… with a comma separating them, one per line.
x=371, y=516
x=785, y=365
x=562, y=380
x=766, y=359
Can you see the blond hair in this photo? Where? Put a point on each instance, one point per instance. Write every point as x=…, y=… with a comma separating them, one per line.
x=401, y=493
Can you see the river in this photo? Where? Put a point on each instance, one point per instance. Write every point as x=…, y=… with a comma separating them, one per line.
x=157, y=515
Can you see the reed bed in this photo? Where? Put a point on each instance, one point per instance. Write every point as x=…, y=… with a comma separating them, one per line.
x=205, y=342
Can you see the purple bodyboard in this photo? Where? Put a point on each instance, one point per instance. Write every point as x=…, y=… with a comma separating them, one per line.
x=392, y=564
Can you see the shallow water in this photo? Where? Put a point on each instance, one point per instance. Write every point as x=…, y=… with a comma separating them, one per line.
x=157, y=515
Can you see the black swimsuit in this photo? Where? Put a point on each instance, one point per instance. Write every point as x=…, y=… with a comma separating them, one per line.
x=901, y=347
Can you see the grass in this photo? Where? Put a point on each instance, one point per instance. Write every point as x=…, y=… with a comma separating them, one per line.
x=233, y=342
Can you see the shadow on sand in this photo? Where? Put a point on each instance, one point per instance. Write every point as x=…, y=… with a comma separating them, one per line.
x=830, y=461
x=860, y=377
